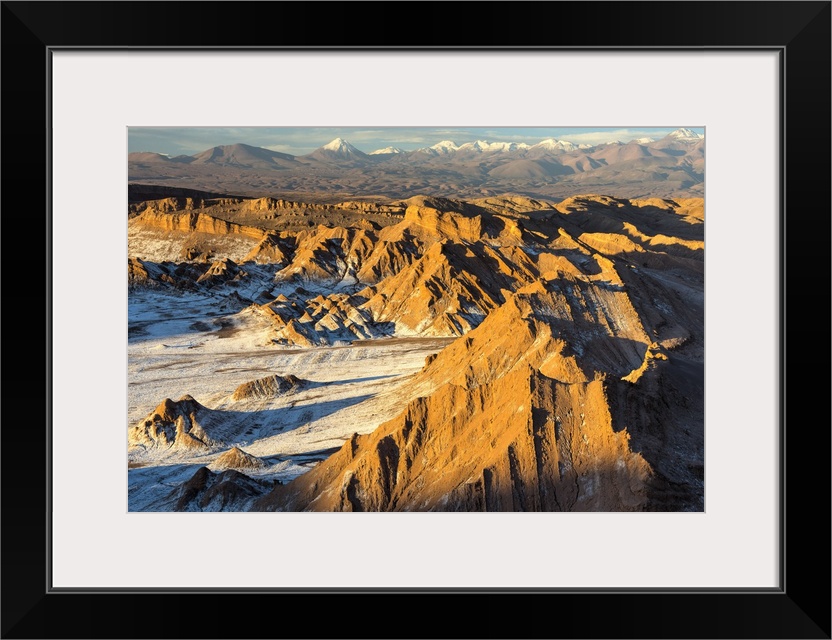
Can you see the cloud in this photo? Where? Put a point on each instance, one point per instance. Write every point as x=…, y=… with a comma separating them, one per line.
x=281, y=148
x=624, y=135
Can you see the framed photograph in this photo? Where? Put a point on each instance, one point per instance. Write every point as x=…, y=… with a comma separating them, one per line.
x=731, y=104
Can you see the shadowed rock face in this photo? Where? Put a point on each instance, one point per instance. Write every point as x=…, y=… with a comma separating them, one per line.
x=516, y=418
x=514, y=444
x=209, y=491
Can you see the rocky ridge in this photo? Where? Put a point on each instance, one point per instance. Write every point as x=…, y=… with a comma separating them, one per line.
x=568, y=317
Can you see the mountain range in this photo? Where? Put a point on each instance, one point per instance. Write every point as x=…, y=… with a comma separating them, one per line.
x=672, y=166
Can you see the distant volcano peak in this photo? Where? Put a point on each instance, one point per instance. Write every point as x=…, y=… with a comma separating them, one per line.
x=340, y=145
x=685, y=134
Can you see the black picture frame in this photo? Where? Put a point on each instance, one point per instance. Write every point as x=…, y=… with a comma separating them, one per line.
x=799, y=608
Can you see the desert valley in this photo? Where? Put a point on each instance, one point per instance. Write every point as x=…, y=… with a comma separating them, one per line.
x=478, y=327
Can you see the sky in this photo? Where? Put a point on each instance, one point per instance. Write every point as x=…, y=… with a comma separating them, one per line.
x=301, y=140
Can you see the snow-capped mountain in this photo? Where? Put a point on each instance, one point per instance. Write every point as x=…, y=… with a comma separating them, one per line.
x=551, y=144
x=685, y=135
x=440, y=148
x=339, y=150
x=484, y=146
x=386, y=151
x=339, y=145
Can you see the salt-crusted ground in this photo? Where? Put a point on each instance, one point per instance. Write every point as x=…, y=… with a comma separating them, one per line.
x=206, y=346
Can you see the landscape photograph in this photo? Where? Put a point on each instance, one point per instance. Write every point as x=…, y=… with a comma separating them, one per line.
x=416, y=319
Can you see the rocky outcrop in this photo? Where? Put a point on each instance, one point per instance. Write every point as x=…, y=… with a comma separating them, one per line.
x=272, y=249
x=177, y=425
x=236, y=458
x=190, y=222
x=221, y=271
x=321, y=320
x=182, y=275
x=138, y=274
x=329, y=254
x=209, y=491
x=446, y=292
x=268, y=387
x=514, y=416
x=433, y=223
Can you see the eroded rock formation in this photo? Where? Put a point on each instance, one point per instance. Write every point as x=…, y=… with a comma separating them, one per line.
x=575, y=382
